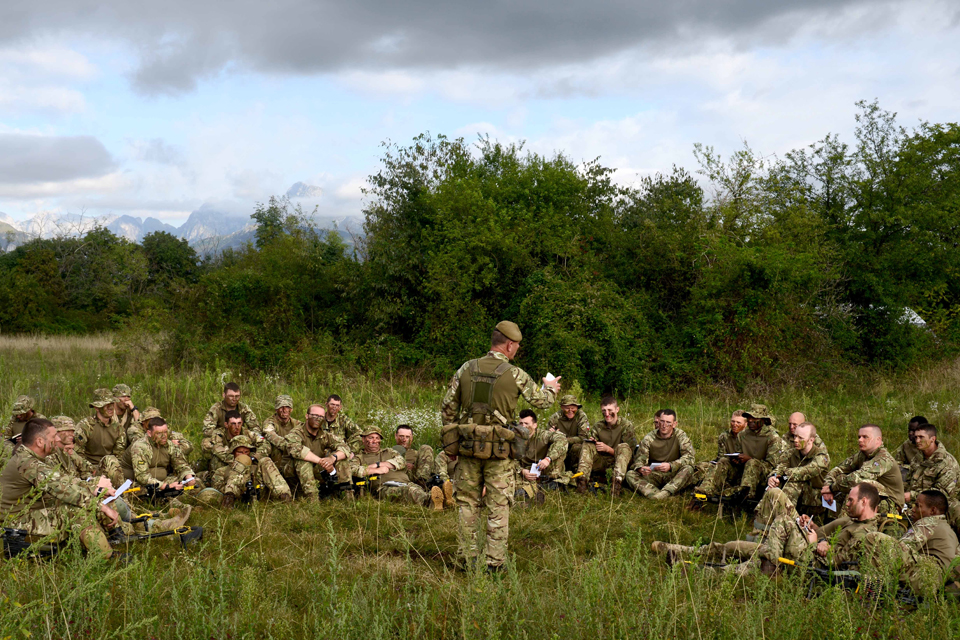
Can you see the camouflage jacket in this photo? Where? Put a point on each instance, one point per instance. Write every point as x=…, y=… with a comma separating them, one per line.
x=811, y=467
x=907, y=454
x=214, y=418
x=932, y=536
x=345, y=429
x=73, y=464
x=604, y=433
x=940, y=471
x=544, y=444
x=14, y=427
x=146, y=455
x=30, y=483
x=218, y=444
x=445, y=466
x=300, y=441
x=135, y=432
x=276, y=432
x=879, y=467
x=728, y=442
x=575, y=430
x=451, y=409
x=845, y=536
x=688, y=456
x=92, y=438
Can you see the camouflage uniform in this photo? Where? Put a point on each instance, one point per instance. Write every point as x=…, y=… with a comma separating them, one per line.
x=275, y=432
x=906, y=455
x=846, y=536
x=408, y=491
x=147, y=463
x=763, y=447
x=496, y=475
x=879, y=467
x=419, y=463
x=102, y=444
x=677, y=450
x=214, y=423
x=543, y=444
x=217, y=447
x=45, y=501
x=923, y=554
x=939, y=472
x=804, y=473
x=621, y=437
x=574, y=430
x=233, y=478
x=14, y=428
x=345, y=429
x=73, y=464
x=325, y=443
x=444, y=466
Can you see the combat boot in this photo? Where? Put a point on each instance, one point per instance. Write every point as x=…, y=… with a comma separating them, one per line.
x=228, y=500
x=617, y=484
x=448, y=500
x=436, y=497
x=581, y=485
x=175, y=521
x=647, y=490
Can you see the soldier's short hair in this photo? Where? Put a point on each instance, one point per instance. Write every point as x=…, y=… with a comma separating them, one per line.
x=528, y=413
x=813, y=428
x=497, y=339
x=737, y=414
x=935, y=500
x=404, y=426
x=874, y=427
x=334, y=396
x=231, y=386
x=230, y=415
x=870, y=492
x=668, y=412
x=606, y=401
x=159, y=422
x=33, y=428
x=916, y=420
x=928, y=429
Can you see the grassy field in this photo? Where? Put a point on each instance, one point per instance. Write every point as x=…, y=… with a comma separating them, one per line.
x=581, y=567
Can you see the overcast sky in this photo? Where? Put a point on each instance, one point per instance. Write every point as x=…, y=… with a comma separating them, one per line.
x=154, y=108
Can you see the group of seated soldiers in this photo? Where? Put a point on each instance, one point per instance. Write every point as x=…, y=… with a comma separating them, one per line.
x=788, y=480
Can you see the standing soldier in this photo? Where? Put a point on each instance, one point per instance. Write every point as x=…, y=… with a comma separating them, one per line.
x=276, y=428
x=479, y=403
x=663, y=464
x=100, y=439
x=572, y=422
x=611, y=444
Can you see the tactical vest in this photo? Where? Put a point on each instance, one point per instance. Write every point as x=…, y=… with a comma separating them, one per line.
x=16, y=490
x=100, y=440
x=665, y=450
x=488, y=403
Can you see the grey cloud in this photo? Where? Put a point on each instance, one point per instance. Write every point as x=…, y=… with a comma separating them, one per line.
x=28, y=159
x=180, y=41
x=158, y=151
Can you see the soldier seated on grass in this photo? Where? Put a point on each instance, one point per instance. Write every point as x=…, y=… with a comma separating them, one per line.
x=571, y=422
x=663, y=463
x=611, y=444
x=907, y=453
x=872, y=462
x=152, y=461
x=545, y=451
x=249, y=472
x=936, y=469
x=383, y=472
x=320, y=457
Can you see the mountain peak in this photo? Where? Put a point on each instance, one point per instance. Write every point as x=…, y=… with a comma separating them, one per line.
x=304, y=190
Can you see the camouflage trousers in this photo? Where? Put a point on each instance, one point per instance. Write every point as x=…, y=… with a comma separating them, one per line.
x=888, y=555
x=57, y=523
x=591, y=461
x=308, y=474
x=233, y=479
x=673, y=481
x=471, y=477
x=410, y=493
x=727, y=475
x=110, y=466
x=555, y=472
x=805, y=493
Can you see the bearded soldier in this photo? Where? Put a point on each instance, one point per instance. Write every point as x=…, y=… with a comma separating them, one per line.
x=480, y=402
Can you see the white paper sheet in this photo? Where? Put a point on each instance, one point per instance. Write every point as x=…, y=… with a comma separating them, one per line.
x=832, y=505
x=119, y=492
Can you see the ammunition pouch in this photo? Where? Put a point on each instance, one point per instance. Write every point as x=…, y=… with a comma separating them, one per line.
x=486, y=441
x=450, y=439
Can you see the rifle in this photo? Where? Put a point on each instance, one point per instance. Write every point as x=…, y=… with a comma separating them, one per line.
x=183, y=534
x=153, y=493
x=846, y=579
x=329, y=487
x=17, y=541
x=251, y=492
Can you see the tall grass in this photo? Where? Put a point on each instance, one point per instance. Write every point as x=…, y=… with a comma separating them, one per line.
x=581, y=567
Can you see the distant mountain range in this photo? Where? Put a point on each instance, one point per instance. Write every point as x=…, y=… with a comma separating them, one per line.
x=208, y=229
